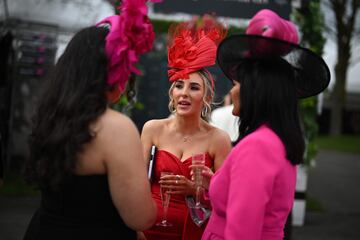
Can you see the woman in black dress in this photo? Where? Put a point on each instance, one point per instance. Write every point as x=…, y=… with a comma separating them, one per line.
x=85, y=157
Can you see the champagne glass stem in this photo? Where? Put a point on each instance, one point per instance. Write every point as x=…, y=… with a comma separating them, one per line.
x=198, y=160
x=197, y=197
x=165, y=214
x=165, y=199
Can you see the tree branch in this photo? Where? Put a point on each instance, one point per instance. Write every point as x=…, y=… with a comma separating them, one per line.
x=351, y=20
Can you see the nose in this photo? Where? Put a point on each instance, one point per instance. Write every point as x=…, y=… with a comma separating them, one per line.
x=185, y=91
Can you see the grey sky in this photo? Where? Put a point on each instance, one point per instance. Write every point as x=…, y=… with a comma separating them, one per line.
x=68, y=14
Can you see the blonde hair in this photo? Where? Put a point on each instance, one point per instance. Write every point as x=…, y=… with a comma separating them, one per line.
x=207, y=98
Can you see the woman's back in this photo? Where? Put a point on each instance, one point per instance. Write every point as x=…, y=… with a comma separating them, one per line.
x=107, y=192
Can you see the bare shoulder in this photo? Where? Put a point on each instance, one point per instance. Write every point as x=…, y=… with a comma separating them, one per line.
x=218, y=135
x=155, y=125
x=112, y=125
x=219, y=145
x=117, y=121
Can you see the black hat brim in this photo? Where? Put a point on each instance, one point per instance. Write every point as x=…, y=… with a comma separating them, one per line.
x=312, y=73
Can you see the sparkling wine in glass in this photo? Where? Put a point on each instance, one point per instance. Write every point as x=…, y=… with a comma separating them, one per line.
x=165, y=199
x=199, y=160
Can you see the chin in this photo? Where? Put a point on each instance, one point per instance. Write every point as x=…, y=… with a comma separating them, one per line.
x=185, y=113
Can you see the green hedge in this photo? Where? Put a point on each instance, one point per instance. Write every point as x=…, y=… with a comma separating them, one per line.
x=343, y=143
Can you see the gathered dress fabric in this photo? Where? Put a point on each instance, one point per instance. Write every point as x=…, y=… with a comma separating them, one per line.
x=253, y=192
x=81, y=209
x=178, y=214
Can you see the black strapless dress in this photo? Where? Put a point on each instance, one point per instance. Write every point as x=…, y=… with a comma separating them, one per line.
x=82, y=209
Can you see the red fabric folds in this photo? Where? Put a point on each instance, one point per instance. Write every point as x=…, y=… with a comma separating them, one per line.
x=192, y=46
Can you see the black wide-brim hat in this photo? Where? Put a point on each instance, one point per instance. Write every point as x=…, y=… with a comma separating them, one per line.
x=311, y=72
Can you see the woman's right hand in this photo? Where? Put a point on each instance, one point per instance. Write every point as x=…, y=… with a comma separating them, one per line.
x=178, y=184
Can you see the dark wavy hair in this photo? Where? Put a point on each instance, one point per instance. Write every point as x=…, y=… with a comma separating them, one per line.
x=72, y=98
x=268, y=96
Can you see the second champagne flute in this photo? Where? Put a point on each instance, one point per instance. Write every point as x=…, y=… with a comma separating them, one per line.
x=198, y=159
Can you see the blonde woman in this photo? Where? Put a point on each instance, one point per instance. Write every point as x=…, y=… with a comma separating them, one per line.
x=191, y=49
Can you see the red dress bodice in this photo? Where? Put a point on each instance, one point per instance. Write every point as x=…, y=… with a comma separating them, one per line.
x=183, y=227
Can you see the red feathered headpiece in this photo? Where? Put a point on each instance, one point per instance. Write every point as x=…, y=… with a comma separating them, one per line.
x=192, y=46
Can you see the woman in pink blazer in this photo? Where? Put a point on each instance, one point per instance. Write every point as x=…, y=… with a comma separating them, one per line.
x=253, y=192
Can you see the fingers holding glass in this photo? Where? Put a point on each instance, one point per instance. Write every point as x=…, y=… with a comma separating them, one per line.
x=207, y=175
x=177, y=184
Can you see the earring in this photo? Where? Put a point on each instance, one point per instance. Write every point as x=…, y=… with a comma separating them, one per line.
x=204, y=112
x=172, y=107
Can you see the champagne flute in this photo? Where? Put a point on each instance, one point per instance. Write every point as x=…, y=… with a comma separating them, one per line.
x=165, y=199
x=198, y=159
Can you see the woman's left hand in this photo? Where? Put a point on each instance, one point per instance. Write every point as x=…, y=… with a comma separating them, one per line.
x=178, y=184
x=206, y=172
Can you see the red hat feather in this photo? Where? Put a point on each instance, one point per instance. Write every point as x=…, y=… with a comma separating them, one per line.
x=192, y=45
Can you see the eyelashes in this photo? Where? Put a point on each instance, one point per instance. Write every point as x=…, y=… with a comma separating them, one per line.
x=193, y=87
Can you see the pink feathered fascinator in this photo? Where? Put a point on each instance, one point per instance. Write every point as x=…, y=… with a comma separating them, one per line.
x=192, y=46
x=131, y=34
x=268, y=24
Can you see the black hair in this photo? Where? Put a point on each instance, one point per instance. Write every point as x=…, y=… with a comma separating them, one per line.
x=268, y=96
x=72, y=98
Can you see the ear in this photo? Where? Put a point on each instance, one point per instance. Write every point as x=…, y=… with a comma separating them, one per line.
x=208, y=99
x=113, y=95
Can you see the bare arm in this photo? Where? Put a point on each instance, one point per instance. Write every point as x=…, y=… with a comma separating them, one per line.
x=146, y=139
x=129, y=186
x=221, y=147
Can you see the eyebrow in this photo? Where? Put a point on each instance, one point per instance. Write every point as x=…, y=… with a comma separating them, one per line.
x=195, y=83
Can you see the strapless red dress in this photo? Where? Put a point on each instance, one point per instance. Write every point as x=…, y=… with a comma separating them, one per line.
x=183, y=227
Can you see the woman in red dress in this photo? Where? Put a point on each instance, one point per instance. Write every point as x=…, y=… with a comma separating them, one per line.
x=191, y=48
